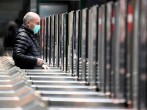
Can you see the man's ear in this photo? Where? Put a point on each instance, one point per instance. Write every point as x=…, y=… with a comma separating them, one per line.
x=28, y=24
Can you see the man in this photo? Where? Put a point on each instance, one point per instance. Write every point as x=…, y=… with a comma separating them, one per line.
x=26, y=53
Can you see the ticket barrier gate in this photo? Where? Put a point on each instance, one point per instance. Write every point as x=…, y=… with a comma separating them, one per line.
x=103, y=47
x=61, y=90
x=15, y=90
x=57, y=89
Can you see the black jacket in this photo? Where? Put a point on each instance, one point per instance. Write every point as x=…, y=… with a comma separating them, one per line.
x=26, y=49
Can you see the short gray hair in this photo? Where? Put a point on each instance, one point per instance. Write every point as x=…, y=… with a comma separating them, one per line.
x=29, y=16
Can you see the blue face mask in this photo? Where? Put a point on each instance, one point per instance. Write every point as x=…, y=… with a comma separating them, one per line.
x=36, y=29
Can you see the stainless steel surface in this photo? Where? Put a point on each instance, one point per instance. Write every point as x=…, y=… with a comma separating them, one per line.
x=59, y=91
x=16, y=91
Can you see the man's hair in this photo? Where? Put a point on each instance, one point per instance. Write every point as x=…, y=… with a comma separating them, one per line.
x=29, y=16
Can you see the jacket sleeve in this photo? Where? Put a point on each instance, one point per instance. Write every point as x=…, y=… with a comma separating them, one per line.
x=21, y=44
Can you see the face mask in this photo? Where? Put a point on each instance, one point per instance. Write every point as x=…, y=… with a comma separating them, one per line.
x=36, y=29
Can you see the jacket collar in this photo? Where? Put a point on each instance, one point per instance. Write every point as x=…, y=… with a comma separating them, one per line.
x=27, y=29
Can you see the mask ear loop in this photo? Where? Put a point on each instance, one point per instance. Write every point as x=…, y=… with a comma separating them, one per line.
x=29, y=23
